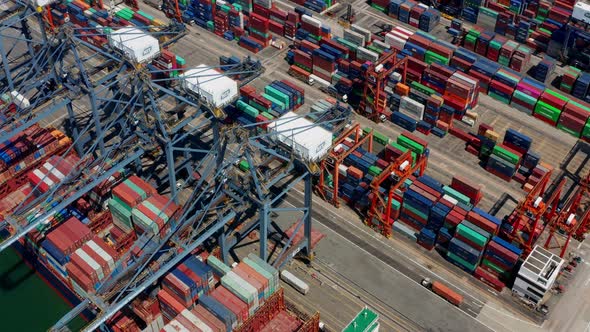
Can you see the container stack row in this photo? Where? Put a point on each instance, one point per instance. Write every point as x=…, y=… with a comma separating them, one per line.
x=278, y=98
x=361, y=166
x=411, y=12
x=510, y=87
x=25, y=151
x=532, y=23
x=95, y=25
x=215, y=297
x=576, y=83
x=447, y=217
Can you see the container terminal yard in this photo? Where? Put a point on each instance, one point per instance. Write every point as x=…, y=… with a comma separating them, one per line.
x=272, y=165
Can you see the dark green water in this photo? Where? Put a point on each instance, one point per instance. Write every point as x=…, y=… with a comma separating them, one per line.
x=27, y=303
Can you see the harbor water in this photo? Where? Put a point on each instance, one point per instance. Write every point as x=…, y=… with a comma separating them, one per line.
x=28, y=303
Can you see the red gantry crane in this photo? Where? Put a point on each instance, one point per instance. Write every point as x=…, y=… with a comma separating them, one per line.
x=397, y=172
x=571, y=221
x=532, y=209
x=335, y=158
x=374, y=102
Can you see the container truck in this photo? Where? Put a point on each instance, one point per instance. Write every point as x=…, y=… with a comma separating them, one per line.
x=443, y=291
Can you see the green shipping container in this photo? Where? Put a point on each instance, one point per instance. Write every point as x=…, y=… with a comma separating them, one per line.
x=494, y=267
x=422, y=88
x=244, y=165
x=274, y=100
x=471, y=235
x=461, y=261
x=456, y=195
x=505, y=61
x=431, y=57
x=586, y=131
x=374, y=170
x=498, y=97
x=380, y=138
x=569, y=131
x=524, y=97
x=395, y=204
x=415, y=210
x=404, y=141
x=547, y=111
x=505, y=154
x=220, y=267
x=278, y=95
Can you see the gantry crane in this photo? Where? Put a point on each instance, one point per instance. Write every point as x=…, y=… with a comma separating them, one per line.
x=394, y=176
x=374, y=102
x=121, y=118
x=533, y=210
x=335, y=158
x=573, y=220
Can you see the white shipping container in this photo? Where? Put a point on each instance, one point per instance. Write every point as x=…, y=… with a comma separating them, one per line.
x=404, y=31
x=581, y=12
x=103, y=254
x=399, y=34
x=342, y=169
x=196, y=321
x=90, y=261
x=310, y=20
x=136, y=44
x=252, y=292
x=308, y=140
x=295, y=282
x=217, y=89
x=53, y=170
x=395, y=41
x=367, y=54
x=175, y=326
x=411, y=107
x=19, y=100
x=42, y=3
x=362, y=31
x=43, y=177
x=354, y=37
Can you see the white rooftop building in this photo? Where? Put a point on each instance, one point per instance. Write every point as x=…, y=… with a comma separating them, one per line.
x=537, y=274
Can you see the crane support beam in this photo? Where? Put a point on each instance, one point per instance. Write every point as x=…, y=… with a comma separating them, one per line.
x=71, y=199
x=113, y=309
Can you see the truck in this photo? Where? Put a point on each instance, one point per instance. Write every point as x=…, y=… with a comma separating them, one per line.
x=443, y=291
x=301, y=75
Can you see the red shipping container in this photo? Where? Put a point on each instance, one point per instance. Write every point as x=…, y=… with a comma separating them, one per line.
x=441, y=70
x=469, y=242
x=419, y=185
x=167, y=299
x=505, y=253
x=227, y=303
x=577, y=111
x=420, y=41
x=482, y=222
x=489, y=279
x=571, y=122
x=213, y=322
x=501, y=87
x=414, y=216
x=553, y=101
x=76, y=275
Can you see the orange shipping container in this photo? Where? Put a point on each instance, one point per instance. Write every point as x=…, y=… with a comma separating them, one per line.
x=447, y=293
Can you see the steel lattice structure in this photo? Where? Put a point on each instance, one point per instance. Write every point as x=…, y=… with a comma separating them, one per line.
x=119, y=117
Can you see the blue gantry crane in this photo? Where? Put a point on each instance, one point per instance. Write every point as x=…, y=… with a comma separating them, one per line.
x=119, y=117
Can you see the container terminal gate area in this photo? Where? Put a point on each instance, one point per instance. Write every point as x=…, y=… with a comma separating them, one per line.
x=305, y=165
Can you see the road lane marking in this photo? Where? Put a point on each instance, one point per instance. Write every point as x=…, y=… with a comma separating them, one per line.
x=402, y=274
